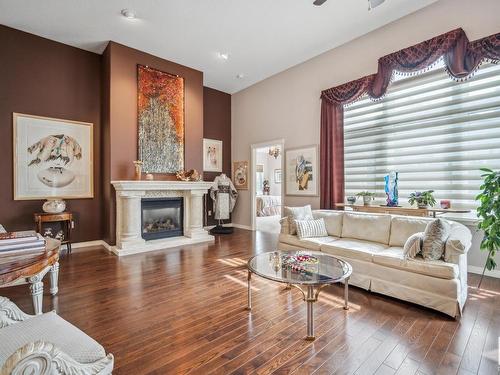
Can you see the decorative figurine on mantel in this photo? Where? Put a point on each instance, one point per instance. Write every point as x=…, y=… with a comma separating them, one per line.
x=191, y=175
x=138, y=169
x=224, y=195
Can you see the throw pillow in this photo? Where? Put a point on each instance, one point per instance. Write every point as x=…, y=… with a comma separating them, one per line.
x=413, y=245
x=435, y=236
x=297, y=213
x=311, y=228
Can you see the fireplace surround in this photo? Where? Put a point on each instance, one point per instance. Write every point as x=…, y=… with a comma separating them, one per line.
x=130, y=196
x=162, y=217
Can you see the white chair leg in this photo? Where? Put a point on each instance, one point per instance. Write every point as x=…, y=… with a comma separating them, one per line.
x=36, y=291
x=54, y=278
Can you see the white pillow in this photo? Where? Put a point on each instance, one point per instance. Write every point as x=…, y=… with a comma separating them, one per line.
x=297, y=213
x=413, y=245
x=311, y=228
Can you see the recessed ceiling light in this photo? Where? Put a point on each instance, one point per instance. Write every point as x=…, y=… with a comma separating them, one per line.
x=240, y=76
x=223, y=55
x=129, y=14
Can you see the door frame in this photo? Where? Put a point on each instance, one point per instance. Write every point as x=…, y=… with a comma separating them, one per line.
x=253, y=152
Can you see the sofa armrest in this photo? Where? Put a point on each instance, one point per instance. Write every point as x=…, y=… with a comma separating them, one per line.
x=285, y=225
x=44, y=358
x=10, y=313
x=458, y=243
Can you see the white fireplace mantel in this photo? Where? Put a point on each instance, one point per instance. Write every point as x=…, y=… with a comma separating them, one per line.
x=128, y=214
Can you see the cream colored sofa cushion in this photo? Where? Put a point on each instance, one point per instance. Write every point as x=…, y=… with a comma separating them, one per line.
x=374, y=228
x=333, y=221
x=402, y=227
x=393, y=257
x=306, y=243
x=297, y=213
x=53, y=329
x=353, y=248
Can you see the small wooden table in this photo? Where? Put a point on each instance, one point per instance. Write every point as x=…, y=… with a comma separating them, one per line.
x=407, y=211
x=31, y=269
x=66, y=220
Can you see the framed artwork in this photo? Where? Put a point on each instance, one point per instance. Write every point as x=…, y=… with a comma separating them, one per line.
x=277, y=176
x=240, y=175
x=53, y=158
x=212, y=155
x=160, y=112
x=302, y=171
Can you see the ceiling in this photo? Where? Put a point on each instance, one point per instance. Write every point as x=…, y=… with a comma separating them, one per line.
x=262, y=37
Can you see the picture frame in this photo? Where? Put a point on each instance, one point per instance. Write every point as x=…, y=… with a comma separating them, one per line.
x=302, y=171
x=212, y=155
x=277, y=176
x=52, y=158
x=240, y=175
x=160, y=120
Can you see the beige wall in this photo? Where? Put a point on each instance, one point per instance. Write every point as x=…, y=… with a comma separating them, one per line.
x=287, y=105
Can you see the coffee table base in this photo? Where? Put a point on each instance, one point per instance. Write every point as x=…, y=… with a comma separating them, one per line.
x=309, y=296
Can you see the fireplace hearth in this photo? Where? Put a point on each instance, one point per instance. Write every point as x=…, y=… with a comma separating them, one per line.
x=162, y=218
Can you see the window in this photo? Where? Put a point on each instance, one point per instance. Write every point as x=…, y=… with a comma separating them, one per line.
x=434, y=131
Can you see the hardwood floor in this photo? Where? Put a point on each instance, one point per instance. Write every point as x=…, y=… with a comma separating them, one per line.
x=182, y=311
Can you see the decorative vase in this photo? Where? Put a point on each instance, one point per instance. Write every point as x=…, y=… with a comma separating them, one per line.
x=54, y=206
x=138, y=169
x=351, y=200
x=366, y=200
x=421, y=205
x=149, y=176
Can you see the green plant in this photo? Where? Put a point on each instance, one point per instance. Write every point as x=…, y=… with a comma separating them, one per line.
x=422, y=198
x=365, y=194
x=489, y=214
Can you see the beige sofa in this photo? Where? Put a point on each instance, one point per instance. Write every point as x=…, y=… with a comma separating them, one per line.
x=373, y=245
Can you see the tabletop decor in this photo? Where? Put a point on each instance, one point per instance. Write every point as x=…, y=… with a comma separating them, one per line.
x=367, y=196
x=423, y=199
x=160, y=110
x=191, y=175
x=391, y=189
x=302, y=171
x=53, y=158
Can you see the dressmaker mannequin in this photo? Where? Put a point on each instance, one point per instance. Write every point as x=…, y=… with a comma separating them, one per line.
x=224, y=195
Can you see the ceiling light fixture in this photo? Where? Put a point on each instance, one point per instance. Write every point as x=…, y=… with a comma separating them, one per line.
x=128, y=14
x=372, y=4
x=240, y=76
x=223, y=55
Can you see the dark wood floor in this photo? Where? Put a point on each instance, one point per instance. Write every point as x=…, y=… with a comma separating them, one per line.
x=182, y=311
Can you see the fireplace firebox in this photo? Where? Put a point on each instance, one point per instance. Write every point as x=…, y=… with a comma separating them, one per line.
x=162, y=217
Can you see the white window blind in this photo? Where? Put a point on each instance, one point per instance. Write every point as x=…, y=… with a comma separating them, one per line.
x=434, y=131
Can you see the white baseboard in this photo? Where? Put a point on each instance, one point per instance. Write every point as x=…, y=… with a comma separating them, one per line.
x=241, y=226
x=78, y=245
x=479, y=271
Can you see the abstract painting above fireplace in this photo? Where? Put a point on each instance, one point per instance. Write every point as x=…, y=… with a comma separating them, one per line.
x=162, y=217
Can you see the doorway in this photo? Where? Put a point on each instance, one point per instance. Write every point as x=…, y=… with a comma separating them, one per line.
x=267, y=185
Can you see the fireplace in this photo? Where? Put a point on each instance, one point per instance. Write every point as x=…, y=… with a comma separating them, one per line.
x=162, y=218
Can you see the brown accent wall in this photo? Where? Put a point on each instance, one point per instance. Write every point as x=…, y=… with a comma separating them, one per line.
x=46, y=78
x=120, y=118
x=217, y=125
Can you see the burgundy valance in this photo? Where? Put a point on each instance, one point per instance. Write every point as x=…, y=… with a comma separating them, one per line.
x=461, y=59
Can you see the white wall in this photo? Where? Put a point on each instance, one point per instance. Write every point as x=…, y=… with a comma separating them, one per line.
x=287, y=105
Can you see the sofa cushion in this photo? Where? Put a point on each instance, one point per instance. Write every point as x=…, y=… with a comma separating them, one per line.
x=435, y=235
x=306, y=243
x=402, y=227
x=311, y=228
x=53, y=329
x=413, y=245
x=333, y=221
x=374, y=228
x=353, y=248
x=297, y=213
x=393, y=257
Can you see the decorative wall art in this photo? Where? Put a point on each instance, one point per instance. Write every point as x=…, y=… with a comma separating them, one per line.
x=240, y=175
x=160, y=111
x=277, y=176
x=302, y=171
x=52, y=158
x=212, y=155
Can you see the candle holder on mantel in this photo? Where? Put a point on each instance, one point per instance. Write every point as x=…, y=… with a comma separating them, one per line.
x=138, y=169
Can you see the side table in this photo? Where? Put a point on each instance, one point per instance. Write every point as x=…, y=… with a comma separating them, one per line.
x=65, y=219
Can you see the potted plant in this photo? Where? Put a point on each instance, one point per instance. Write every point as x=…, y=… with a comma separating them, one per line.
x=489, y=214
x=423, y=199
x=367, y=197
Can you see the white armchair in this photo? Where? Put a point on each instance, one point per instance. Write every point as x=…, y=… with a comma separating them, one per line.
x=47, y=344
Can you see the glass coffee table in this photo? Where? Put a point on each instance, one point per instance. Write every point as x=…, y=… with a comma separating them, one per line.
x=308, y=271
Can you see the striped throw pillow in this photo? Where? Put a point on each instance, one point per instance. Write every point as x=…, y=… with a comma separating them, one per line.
x=311, y=228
